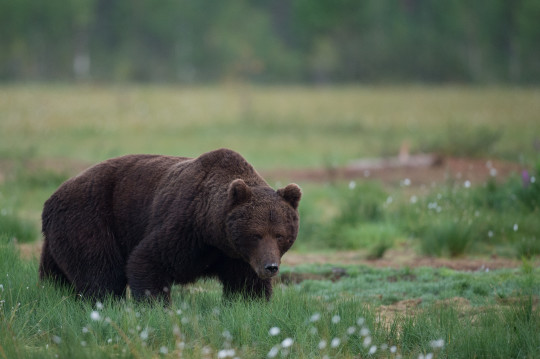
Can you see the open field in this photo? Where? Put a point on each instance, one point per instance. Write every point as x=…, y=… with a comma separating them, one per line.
x=447, y=251
x=319, y=311
x=272, y=127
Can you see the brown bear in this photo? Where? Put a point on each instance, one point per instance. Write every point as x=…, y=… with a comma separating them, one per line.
x=149, y=221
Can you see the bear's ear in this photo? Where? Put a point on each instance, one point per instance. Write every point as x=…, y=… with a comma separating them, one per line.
x=239, y=192
x=292, y=194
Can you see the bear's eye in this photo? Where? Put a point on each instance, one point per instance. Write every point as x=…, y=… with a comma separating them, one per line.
x=279, y=236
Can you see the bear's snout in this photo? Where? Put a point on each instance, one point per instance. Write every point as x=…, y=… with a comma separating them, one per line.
x=271, y=269
x=265, y=258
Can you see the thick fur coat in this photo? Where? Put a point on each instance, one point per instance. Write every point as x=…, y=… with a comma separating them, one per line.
x=150, y=221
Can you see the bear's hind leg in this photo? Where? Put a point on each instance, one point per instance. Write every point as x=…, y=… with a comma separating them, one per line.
x=48, y=269
x=101, y=277
x=94, y=273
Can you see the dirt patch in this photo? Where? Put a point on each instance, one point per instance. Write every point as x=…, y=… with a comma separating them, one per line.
x=391, y=173
x=402, y=258
x=420, y=170
x=388, y=313
x=393, y=258
x=30, y=250
x=401, y=307
x=294, y=278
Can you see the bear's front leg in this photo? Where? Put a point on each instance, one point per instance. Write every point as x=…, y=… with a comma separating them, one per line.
x=147, y=278
x=238, y=278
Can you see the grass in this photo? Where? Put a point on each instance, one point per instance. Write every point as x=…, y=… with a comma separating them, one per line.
x=292, y=127
x=42, y=321
x=476, y=314
x=452, y=220
x=271, y=126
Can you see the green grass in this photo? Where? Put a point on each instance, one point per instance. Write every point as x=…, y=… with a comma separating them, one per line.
x=271, y=126
x=39, y=320
x=276, y=127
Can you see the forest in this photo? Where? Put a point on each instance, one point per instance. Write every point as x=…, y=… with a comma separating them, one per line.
x=281, y=41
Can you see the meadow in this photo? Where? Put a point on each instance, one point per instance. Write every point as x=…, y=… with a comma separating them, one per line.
x=335, y=310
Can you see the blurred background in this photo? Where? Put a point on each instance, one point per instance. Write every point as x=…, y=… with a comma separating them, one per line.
x=282, y=41
x=413, y=126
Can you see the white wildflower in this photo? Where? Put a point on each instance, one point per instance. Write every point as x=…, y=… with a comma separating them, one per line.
x=322, y=344
x=163, y=350
x=274, y=331
x=436, y=344
x=372, y=350
x=364, y=332
x=287, y=342
x=95, y=315
x=367, y=341
x=57, y=339
x=315, y=317
x=335, y=342
x=273, y=352
x=351, y=330
x=99, y=305
x=226, y=353
x=336, y=319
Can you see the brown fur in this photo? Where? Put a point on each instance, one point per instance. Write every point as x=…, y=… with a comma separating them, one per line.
x=150, y=221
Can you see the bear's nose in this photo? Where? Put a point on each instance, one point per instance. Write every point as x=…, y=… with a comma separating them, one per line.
x=272, y=268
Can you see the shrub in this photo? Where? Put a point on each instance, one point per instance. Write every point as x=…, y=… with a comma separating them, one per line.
x=446, y=237
x=360, y=203
x=460, y=139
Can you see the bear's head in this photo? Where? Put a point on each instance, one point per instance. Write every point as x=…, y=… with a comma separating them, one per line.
x=262, y=224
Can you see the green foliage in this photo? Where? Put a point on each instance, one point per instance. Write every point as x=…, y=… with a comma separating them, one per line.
x=446, y=237
x=294, y=41
x=455, y=220
x=359, y=203
x=358, y=223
